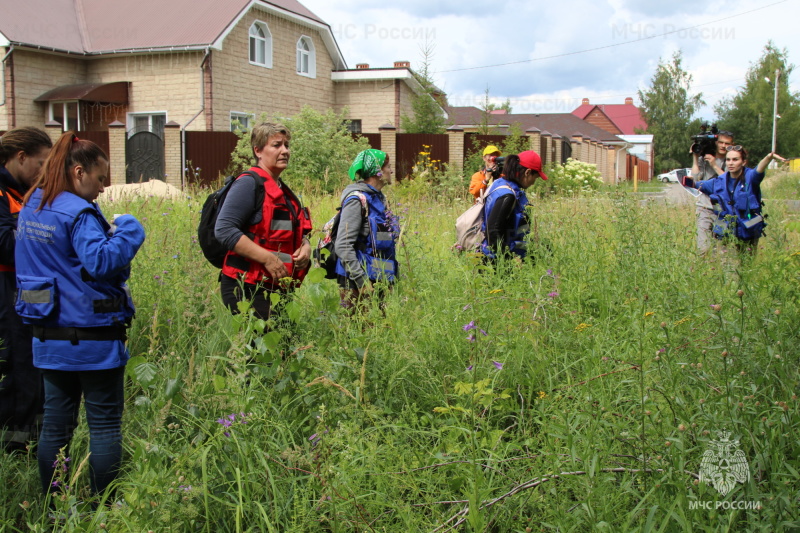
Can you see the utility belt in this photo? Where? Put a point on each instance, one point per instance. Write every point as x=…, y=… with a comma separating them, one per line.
x=75, y=335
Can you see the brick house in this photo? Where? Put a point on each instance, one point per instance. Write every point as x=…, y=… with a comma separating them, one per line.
x=197, y=66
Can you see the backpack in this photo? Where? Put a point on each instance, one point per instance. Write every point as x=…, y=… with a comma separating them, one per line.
x=328, y=239
x=213, y=250
x=469, y=235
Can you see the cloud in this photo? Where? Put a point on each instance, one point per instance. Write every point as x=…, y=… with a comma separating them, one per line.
x=570, y=50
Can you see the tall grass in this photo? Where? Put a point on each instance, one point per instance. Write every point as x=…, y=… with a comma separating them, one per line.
x=577, y=391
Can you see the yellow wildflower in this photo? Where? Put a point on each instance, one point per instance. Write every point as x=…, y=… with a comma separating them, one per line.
x=582, y=326
x=495, y=291
x=649, y=313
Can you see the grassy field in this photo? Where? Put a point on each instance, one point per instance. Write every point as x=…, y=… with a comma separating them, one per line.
x=578, y=391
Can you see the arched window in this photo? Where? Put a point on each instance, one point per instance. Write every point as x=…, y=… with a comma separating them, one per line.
x=260, y=45
x=306, y=57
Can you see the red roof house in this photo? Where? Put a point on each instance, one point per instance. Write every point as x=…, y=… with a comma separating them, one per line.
x=619, y=119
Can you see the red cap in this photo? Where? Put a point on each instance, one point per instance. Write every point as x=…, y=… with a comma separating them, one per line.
x=530, y=159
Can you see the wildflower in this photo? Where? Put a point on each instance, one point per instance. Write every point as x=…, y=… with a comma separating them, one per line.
x=553, y=294
x=549, y=271
x=469, y=368
x=471, y=337
x=582, y=326
x=716, y=307
x=498, y=365
x=483, y=332
x=175, y=256
x=649, y=313
x=224, y=422
x=495, y=291
x=541, y=395
x=469, y=326
x=466, y=307
x=185, y=488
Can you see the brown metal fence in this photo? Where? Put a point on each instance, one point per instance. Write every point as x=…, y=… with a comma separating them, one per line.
x=209, y=151
x=374, y=139
x=410, y=145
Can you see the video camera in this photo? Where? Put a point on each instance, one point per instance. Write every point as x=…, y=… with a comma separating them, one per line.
x=497, y=171
x=704, y=143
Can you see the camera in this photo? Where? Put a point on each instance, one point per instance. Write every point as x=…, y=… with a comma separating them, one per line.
x=704, y=143
x=498, y=166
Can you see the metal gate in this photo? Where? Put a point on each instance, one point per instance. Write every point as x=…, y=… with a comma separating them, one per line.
x=144, y=156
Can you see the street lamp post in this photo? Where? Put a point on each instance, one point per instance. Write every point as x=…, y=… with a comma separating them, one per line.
x=775, y=110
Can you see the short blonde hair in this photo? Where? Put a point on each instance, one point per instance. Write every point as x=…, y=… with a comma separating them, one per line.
x=261, y=134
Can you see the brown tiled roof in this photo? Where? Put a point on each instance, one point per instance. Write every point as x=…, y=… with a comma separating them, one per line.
x=95, y=26
x=563, y=124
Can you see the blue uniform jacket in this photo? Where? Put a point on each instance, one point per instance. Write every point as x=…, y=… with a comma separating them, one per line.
x=71, y=273
x=517, y=233
x=738, y=200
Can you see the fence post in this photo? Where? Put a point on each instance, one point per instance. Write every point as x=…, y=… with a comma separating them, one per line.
x=54, y=130
x=116, y=153
x=557, y=142
x=173, y=165
x=389, y=145
x=547, y=137
x=576, y=141
x=455, y=138
x=534, y=139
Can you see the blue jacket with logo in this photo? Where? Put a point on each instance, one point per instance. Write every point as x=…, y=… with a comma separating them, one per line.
x=739, y=200
x=375, y=250
x=71, y=273
x=519, y=228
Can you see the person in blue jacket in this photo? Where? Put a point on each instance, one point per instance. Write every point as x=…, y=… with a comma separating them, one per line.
x=22, y=154
x=505, y=223
x=367, y=234
x=71, y=271
x=737, y=193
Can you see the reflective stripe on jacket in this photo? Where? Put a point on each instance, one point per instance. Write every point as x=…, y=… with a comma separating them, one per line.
x=284, y=222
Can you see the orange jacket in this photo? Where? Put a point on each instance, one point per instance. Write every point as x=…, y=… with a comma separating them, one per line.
x=479, y=182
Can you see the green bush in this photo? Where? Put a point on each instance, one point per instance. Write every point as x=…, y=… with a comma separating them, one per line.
x=322, y=150
x=573, y=178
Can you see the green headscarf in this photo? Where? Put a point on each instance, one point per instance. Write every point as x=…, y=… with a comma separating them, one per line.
x=369, y=162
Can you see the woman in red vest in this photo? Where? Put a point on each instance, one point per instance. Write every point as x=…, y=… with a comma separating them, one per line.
x=264, y=225
x=22, y=154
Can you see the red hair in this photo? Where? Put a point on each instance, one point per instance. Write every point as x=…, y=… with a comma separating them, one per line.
x=68, y=152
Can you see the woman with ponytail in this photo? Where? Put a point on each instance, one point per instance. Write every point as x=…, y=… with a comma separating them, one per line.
x=22, y=154
x=505, y=223
x=71, y=273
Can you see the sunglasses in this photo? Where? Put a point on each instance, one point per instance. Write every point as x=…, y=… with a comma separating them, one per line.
x=737, y=148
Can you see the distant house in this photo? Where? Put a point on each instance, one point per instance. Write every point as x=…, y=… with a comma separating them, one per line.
x=619, y=119
x=558, y=136
x=207, y=65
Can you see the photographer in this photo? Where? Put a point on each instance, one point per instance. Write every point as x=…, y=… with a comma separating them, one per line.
x=708, y=157
x=480, y=180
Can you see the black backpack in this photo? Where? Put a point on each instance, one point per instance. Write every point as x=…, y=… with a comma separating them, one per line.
x=213, y=249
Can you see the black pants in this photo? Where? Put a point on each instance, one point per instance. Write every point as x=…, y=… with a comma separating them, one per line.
x=21, y=396
x=234, y=292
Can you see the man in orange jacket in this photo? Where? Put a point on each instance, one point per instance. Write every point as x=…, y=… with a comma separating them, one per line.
x=481, y=179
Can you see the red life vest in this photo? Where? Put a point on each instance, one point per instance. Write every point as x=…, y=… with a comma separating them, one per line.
x=14, y=206
x=284, y=222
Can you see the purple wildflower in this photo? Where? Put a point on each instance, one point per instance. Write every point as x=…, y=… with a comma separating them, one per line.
x=498, y=365
x=469, y=368
x=467, y=327
x=553, y=294
x=225, y=423
x=471, y=337
x=484, y=333
x=549, y=271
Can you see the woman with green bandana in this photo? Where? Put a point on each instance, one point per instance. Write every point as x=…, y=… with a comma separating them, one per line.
x=365, y=239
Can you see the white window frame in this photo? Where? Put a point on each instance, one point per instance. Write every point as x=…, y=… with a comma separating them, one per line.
x=64, y=104
x=310, y=54
x=264, y=42
x=249, y=119
x=131, y=118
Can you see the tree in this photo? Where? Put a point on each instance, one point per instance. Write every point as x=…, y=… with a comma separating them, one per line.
x=667, y=108
x=748, y=114
x=505, y=105
x=485, y=127
x=428, y=116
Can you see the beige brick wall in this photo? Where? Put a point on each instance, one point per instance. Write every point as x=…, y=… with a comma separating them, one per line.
x=279, y=91
x=372, y=102
x=35, y=74
x=168, y=83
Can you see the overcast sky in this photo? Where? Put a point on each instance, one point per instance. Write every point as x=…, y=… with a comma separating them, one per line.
x=608, y=48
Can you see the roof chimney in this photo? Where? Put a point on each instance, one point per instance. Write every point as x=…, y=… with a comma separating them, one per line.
x=629, y=101
x=585, y=101
x=402, y=64
x=362, y=66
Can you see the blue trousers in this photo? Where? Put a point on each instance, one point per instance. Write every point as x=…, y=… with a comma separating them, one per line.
x=103, y=393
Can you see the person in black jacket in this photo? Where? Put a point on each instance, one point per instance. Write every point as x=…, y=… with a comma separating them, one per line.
x=22, y=154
